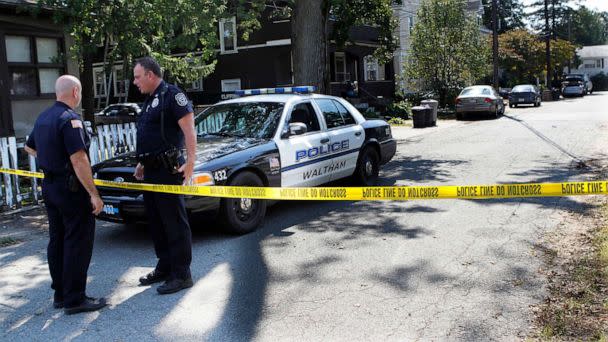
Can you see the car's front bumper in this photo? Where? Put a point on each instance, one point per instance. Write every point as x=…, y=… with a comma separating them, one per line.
x=127, y=209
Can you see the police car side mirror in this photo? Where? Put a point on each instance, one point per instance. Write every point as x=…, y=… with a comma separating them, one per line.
x=295, y=128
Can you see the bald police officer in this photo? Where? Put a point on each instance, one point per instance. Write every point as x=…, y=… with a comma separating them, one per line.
x=60, y=143
x=165, y=125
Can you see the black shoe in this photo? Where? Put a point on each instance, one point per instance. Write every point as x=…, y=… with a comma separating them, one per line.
x=58, y=303
x=174, y=285
x=89, y=304
x=153, y=277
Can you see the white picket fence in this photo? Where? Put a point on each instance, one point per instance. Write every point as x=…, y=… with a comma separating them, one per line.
x=107, y=141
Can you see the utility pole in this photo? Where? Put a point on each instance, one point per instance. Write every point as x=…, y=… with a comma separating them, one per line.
x=548, y=44
x=569, y=37
x=495, y=41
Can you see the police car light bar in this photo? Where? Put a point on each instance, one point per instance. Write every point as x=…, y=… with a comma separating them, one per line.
x=284, y=90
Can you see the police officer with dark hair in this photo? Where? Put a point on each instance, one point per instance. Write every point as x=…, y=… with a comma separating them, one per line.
x=166, y=122
x=60, y=143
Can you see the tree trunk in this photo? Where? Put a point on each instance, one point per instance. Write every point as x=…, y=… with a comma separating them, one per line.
x=86, y=79
x=309, y=44
x=548, y=44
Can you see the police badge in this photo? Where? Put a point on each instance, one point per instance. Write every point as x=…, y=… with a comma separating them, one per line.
x=181, y=99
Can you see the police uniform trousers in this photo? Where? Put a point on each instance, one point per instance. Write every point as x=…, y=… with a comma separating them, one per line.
x=71, y=231
x=168, y=224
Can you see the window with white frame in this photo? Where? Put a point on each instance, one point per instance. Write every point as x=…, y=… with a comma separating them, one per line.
x=231, y=85
x=120, y=83
x=340, y=67
x=100, y=82
x=373, y=70
x=34, y=64
x=228, y=35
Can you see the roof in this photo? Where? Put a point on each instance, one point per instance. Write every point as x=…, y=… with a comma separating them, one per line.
x=280, y=98
x=596, y=51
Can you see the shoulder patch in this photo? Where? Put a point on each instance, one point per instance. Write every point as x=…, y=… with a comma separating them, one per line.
x=181, y=99
x=76, y=123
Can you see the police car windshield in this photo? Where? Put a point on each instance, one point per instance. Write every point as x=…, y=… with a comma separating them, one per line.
x=246, y=119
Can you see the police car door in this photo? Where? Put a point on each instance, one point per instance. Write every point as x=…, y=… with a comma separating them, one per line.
x=303, y=157
x=346, y=137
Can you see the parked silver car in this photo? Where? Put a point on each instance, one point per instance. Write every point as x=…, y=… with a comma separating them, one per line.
x=577, y=85
x=479, y=99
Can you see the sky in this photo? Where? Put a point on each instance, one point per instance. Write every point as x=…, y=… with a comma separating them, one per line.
x=601, y=5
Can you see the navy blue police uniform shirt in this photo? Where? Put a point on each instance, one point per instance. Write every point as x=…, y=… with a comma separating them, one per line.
x=176, y=106
x=58, y=133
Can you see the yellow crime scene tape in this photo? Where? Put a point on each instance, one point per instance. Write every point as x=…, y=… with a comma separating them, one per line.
x=377, y=193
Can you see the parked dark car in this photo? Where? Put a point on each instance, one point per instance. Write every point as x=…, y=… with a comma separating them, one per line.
x=121, y=110
x=525, y=94
x=504, y=92
x=274, y=139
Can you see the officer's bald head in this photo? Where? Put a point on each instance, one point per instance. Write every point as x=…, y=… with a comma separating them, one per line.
x=68, y=90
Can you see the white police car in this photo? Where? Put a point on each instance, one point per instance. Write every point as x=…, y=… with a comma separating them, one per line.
x=274, y=137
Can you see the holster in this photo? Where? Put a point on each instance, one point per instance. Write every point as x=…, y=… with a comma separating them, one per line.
x=73, y=183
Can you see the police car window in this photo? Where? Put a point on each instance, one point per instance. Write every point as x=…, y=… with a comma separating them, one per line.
x=246, y=119
x=330, y=113
x=348, y=118
x=305, y=113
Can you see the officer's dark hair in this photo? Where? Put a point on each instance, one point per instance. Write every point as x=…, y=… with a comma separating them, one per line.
x=150, y=64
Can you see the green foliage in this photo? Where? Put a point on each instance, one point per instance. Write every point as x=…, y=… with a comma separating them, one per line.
x=400, y=109
x=344, y=15
x=370, y=113
x=522, y=56
x=448, y=50
x=510, y=15
x=600, y=81
x=587, y=27
x=133, y=28
x=397, y=121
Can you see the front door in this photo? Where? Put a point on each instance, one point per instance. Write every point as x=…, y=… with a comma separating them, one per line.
x=304, y=158
x=346, y=138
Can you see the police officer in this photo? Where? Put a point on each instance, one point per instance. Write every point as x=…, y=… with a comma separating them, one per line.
x=60, y=143
x=165, y=124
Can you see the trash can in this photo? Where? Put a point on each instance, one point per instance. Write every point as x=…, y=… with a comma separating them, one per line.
x=432, y=120
x=420, y=116
x=555, y=94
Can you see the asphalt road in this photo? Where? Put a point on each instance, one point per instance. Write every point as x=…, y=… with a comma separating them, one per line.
x=344, y=271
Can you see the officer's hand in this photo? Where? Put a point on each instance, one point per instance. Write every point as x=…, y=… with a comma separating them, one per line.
x=187, y=170
x=139, y=172
x=97, y=204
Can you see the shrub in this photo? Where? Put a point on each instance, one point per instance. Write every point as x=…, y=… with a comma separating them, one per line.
x=399, y=109
x=396, y=121
x=600, y=81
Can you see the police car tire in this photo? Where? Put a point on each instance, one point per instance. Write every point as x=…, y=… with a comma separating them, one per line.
x=232, y=217
x=360, y=176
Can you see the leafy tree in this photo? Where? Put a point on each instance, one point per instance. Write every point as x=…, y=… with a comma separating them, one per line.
x=315, y=22
x=559, y=11
x=510, y=15
x=448, y=50
x=585, y=27
x=522, y=56
x=132, y=28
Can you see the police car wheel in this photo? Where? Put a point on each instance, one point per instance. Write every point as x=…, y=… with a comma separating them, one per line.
x=242, y=215
x=368, y=167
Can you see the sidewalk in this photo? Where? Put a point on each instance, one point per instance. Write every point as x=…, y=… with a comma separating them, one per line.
x=406, y=132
